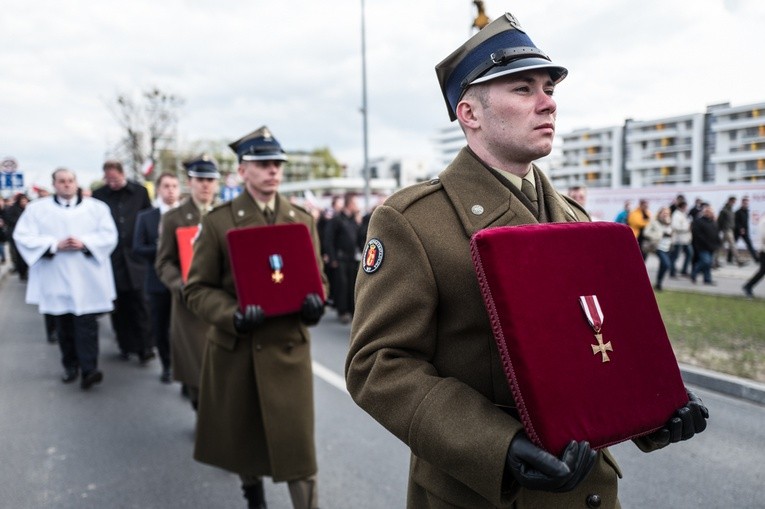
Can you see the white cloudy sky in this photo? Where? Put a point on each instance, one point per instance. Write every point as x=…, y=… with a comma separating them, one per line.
x=295, y=65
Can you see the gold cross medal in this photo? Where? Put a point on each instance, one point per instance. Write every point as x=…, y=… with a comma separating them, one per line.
x=594, y=315
x=276, y=266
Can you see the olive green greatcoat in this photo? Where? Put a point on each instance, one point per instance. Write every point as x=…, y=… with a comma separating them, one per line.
x=187, y=331
x=422, y=359
x=256, y=414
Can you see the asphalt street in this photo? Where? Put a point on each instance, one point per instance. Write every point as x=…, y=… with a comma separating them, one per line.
x=128, y=442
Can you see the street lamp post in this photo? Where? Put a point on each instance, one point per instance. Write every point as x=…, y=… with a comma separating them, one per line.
x=364, y=107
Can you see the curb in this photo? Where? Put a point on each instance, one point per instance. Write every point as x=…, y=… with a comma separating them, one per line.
x=730, y=385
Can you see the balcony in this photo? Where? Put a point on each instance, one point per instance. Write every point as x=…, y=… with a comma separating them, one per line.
x=737, y=156
x=723, y=124
x=641, y=136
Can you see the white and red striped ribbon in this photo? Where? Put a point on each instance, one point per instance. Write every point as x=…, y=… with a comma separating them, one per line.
x=591, y=308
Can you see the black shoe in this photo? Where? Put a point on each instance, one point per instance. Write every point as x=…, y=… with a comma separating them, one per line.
x=748, y=291
x=255, y=496
x=123, y=356
x=166, y=376
x=657, y=288
x=91, y=379
x=146, y=356
x=69, y=376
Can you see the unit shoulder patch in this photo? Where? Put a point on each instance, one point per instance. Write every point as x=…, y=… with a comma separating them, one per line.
x=372, y=257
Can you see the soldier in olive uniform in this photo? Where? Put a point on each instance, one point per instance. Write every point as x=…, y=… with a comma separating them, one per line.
x=187, y=331
x=422, y=358
x=256, y=415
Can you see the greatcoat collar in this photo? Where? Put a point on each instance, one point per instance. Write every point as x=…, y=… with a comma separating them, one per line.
x=245, y=211
x=469, y=183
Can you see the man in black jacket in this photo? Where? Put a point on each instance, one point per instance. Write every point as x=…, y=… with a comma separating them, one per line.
x=343, y=253
x=145, y=241
x=130, y=318
x=12, y=215
x=741, y=227
x=726, y=224
x=706, y=240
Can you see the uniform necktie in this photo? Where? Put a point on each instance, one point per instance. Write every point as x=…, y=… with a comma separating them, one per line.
x=269, y=215
x=531, y=193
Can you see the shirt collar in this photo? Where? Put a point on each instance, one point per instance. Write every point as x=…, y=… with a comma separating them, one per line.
x=164, y=207
x=271, y=204
x=515, y=179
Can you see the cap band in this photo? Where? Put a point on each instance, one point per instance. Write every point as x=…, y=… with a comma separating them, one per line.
x=203, y=174
x=265, y=156
x=500, y=58
x=478, y=57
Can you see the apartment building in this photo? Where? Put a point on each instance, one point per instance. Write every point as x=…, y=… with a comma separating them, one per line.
x=725, y=145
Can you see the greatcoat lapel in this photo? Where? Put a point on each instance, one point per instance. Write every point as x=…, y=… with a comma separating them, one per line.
x=245, y=212
x=558, y=209
x=478, y=199
x=284, y=211
x=189, y=213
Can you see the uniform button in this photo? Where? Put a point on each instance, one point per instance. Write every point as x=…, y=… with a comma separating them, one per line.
x=290, y=346
x=593, y=500
x=258, y=347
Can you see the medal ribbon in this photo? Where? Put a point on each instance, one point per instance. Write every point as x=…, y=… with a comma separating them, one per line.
x=276, y=262
x=592, y=310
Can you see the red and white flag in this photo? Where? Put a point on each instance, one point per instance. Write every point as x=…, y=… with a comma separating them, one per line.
x=148, y=167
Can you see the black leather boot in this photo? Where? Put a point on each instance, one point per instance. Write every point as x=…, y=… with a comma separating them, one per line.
x=255, y=495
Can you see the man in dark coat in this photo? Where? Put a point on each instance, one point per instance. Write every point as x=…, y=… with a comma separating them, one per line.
x=322, y=225
x=256, y=415
x=726, y=222
x=705, y=235
x=12, y=215
x=422, y=360
x=741, y=227
x=343, y=255
x=130, y=318
x=145, y=241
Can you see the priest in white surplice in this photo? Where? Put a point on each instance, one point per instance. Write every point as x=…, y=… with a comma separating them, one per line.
x=66, y=240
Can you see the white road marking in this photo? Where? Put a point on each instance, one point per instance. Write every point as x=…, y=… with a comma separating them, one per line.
x=329, y=376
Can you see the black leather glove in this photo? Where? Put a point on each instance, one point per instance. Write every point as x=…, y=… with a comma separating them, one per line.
x=312, y=309
x=536, y=469
x=687, y=421
x=247, y=320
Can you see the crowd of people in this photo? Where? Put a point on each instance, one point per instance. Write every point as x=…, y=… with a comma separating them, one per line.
x=342, y=233
x=704, y=239
x=118, y=253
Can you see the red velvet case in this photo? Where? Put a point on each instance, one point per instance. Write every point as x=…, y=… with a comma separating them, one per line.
x=185, y=237
x=532, y=278
x=274, y=267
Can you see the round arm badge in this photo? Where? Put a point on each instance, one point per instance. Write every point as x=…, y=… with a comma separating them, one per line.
x=373, y=256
